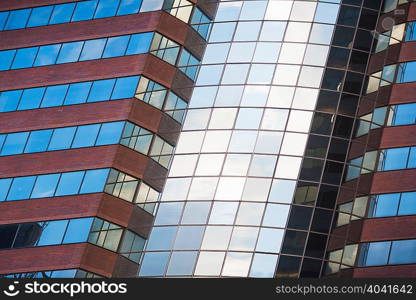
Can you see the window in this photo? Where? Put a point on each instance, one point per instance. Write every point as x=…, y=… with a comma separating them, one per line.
x=78, y=51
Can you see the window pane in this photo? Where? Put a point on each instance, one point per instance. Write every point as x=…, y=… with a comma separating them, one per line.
x=17, y=19
x=47, y=55
x=78, y=93
x=94, y=181
x=54, y=95
x=384, y=205
x=189, y=237
x=395, y=159
x=129, y=7
x=377, y=254
x=116, y=46
x=70, y=52
x=110, y=133
x=78, y=230
x=263, y=266
x=161, y=238
x=45, y=186
x=31, y=98
x=139, y=43
x=21, y=188
x=154, y=263
x=93, y=49
x=6, y=59
x=182, y=263
x=84, y=10
x=407, y=204
x=62, y=13
x=125, y=87
x=9, y=100
x=24, y=58
x=52, y=232
x=86, y=136
x=38, y=141
x=106, y=9
x=4, y=188
x=62, y=138
x=403, y=252
x=40, y=16
x=14, y=143
x=101, y=90
x=69, y=183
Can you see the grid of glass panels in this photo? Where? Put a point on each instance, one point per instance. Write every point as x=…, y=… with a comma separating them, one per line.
x=139, y=87
x=267, y=127
x=96, y=9
x=59, y=232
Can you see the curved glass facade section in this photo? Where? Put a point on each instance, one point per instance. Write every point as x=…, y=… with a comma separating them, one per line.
x=255, y=175
x=69, y=273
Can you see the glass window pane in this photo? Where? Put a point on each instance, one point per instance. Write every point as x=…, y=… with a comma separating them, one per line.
x=84, y=10
x=139, y=43
x=62, y=138
x=125, y=87
x=69, y=183
x=54, y=95
x=14, y=143
x=40, y=16
x=270, y=240
x=154, y=263
x=4, y=188
x=236, y=264
x=161, y=238
x=263, y=266
x=78, y=230
x=407, y=204
x=31, y=98
x=6, y=59
x=24, y=58
x=110, y=133
x=17, y=19
x=9, y=100
x=52, y=232
x=209, y=263
x=101, y=90
x=384, y=205
x=70, y=52
x=403, y=252
x=216, y=237
x=94, y=181
x=195, y=213
x=93, y=49
x=223, y=213
x=181, y=263
x=86, y=136
x=45, y=186
x=395, y=159
x=169, y=213
x=106, y=9
x=47, y=55
x=129, y=7
x=62, y=13
x=116, y=46
x=377, y=254
x=21, y=188
x=189, y=237
x=78, y=93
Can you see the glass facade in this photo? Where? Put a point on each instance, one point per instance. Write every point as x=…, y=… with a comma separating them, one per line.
x=252, y=186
